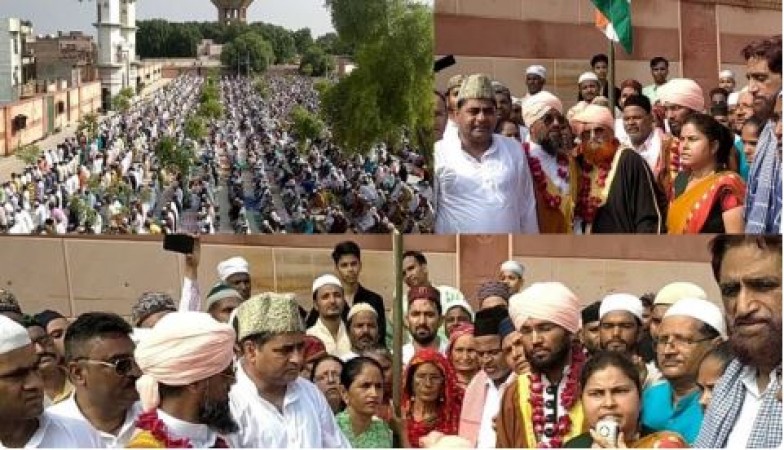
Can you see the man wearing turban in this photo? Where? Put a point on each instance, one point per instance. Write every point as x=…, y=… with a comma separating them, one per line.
x=187, y=370
x=553, y=169
x=482, y=183
x=542, y=408
x=620, y=194
x=680, y=97
x=23, y=421
x=274, y=406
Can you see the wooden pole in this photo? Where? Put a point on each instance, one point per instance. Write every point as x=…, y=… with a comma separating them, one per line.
x=397, y=334
x=611, y=77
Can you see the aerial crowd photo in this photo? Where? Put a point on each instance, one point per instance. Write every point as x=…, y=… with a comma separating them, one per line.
x=391, y=224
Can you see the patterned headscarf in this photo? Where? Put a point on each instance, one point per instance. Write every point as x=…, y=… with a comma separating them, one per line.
x=449, y=403
x=314, y=348
x=463, y=329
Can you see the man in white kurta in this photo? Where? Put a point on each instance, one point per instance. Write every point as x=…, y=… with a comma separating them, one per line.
x=23, y=421
x=329, y=327
x=69, y=409
x=272, y=405
x=483, y=183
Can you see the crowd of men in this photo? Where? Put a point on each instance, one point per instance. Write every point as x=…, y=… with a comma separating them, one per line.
x=519, y=366
x=661, y=159
x=249, y=164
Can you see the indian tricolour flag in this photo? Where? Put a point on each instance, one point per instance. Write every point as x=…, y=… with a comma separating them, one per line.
x=614, y=19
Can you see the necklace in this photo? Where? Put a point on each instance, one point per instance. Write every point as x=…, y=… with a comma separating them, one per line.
x=568, y=396
x=540, y=179
x=588, y=202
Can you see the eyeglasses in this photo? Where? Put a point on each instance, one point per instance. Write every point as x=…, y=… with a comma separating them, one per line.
x=678, y=341
x=121, y=366
x=429, y=379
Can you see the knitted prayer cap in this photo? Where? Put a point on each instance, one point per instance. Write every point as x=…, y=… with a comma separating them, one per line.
x=9, y=302
x=268, y=312
x=219, y=292
x=150, y=303
x=493, y=289
x=476, y=86
x=455, y=82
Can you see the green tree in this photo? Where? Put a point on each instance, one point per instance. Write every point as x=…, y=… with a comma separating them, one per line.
x=88, y=126
x=28, y=153
x=303, y=40
x=152, y=37
x=361, y=21
x=249, y=48
x=389, y=93
x=280, y=40
x=121, y=103
x=261, y=86
x=211, y=109
x=305, y=125
x=183, y=40
x=195, y=128
x=333, y=45
x=318, y=62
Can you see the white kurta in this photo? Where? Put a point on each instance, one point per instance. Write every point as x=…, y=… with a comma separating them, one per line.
x=409, y=351
x=492, y=195
x=334, y=347
x=200, y=435
x=62, y=432
x=70, y=409
x=305, y=422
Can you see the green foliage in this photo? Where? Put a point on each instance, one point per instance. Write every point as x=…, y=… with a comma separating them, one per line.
x=334, y=45
x=389, y=92
x=279, y=38
x=211, y=109
x=248, y=49
x=305, y=125
x=195, y=128
x=261, y=87
x=127, y=92
x=210, y=91
x=303, y=40
x=315, y=62
x=172, y=157
x=161, y=39
x=28, y=153
x=122, y=101
x=88, y=126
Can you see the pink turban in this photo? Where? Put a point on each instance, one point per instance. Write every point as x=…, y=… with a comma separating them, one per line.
x=683, y=92
x=551, y=301
x=596, y=114
x=182, y=348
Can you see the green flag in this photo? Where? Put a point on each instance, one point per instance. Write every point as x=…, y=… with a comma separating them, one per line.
x=614, y=19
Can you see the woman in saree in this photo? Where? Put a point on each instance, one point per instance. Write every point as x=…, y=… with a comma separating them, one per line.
x=461, y=352
x=431, y=397
x=708, y=198
x=612, y=391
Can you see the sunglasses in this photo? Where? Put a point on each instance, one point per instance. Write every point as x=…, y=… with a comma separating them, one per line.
x=122, y=366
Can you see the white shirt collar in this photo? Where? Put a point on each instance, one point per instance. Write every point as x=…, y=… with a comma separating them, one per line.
x=200, y=436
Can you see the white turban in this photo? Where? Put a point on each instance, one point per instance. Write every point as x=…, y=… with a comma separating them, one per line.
x=702, y=310
x=13, y=336
x=536, y=70
x=683, y=92
x=182, y=348
x=587, y=76
x=621, y=302
x=726, y=74
x=325, y=280
x=537, y=105
x=514, y=267
x=231, y=266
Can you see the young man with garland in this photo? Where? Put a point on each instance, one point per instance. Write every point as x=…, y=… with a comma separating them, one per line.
x=553, y=170
x=187, y=366
x=617, y=192
x=542, y=409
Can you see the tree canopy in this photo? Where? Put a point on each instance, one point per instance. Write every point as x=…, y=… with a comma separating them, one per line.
x=248, y=52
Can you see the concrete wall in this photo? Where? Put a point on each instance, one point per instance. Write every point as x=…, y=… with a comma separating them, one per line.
x=79, y=101
x=503, y=37
x=75, y=274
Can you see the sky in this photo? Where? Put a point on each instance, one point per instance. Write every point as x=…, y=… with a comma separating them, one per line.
x=80, y=16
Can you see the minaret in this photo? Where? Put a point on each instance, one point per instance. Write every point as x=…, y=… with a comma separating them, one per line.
x=232, y=11
x=116, y=26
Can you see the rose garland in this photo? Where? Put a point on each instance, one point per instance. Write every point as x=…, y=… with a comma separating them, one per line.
x=540, y=179
x=150, y=422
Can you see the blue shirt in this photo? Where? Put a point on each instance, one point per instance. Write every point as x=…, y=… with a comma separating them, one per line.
x=658, y=413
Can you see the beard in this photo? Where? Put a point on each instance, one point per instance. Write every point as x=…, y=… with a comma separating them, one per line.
x=424, y=340
x=217, y=416
x=601, y=153
x=759, y=351
x=558, y=358
x=552, y=145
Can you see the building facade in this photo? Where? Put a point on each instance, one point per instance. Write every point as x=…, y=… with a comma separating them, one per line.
x=16, y=60
x=117, y=61
x=502, y=37
x=65, y=56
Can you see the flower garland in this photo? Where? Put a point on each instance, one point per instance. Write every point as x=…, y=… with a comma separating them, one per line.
x=569, y=396
x=150, y=422
x=587, y=203
x=540, y=179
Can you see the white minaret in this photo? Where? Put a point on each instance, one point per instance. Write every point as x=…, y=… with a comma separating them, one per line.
x=116, y=25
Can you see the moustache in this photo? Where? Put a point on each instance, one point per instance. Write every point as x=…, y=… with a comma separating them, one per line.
x=749, y=320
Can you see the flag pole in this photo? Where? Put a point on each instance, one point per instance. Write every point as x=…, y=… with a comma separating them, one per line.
x=611, y=77
x=397, y=319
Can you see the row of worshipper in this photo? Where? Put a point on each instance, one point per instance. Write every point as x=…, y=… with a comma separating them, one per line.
x=666, y=161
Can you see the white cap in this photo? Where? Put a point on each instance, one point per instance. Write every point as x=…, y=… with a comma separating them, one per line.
x=514, y=267
x=360, y=307
x=587, y=76
x=13, y=336
x=536, y=70
x=621, y=302
x=702, y=310
x=673, y=292
x=231, y=266
x=726, y=74
x=462, y=303
x=325, y=280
